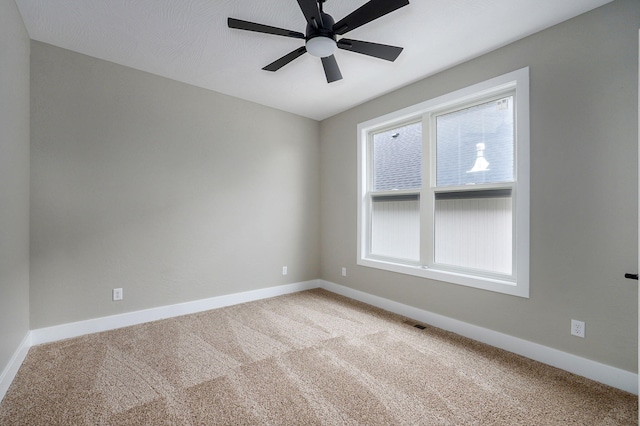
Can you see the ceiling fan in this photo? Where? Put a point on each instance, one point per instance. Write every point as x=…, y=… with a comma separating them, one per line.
x=321, y=34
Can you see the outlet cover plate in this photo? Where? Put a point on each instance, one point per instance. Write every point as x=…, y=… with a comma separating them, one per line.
x=577, y=328
x=117, y=294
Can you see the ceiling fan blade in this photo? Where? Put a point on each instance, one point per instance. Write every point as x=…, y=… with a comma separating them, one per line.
x=279, y=63
x=331, y=69
x=382, y=51
x=260, y=28
x=367, y=13
x=311, y=12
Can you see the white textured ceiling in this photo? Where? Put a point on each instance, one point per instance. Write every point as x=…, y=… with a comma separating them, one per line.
x=188, y=41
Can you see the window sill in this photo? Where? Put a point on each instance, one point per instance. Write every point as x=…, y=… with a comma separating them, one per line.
x=520, y=289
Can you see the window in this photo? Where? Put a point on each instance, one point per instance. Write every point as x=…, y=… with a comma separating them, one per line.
x=444, y=188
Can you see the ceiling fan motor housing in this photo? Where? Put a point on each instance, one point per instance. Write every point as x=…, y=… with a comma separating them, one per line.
x=324, y=28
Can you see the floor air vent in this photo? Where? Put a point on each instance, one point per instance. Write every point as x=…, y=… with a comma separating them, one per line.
x=415, y=324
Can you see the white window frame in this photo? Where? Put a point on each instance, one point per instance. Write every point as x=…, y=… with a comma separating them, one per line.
x=518, y=283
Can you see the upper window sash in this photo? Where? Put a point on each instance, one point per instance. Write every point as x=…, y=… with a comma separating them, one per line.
x=496, y=112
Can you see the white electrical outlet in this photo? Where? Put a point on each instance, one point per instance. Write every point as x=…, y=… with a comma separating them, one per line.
x=284, y=270
x=577, y=328
x=344, y=272
x=117, y=294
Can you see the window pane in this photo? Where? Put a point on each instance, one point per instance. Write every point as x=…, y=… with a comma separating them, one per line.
x=397, y=158
x=395, y=227
x=475, y=145
x=474, y=233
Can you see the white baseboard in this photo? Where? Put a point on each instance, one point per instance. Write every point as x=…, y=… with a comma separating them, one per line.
x=593, y=370
x=75, y=329
x=10, y=371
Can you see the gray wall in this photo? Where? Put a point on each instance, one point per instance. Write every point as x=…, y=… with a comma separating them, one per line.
x=584, y=185
x=14, y=181
x=172, y=192
x=175, y=193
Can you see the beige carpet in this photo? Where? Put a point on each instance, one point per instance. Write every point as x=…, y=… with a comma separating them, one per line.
x=305, y=358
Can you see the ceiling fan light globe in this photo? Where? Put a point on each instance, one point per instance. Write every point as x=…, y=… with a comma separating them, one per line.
x=321, y=46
